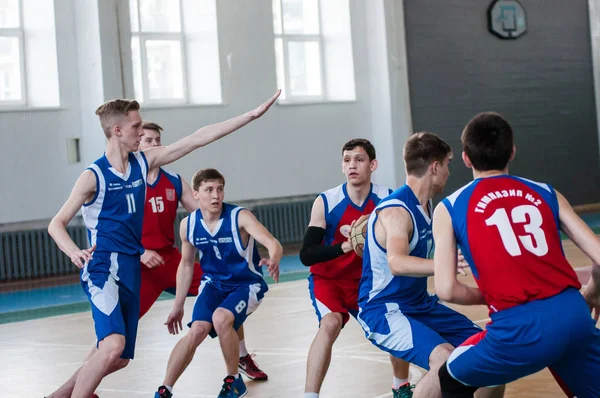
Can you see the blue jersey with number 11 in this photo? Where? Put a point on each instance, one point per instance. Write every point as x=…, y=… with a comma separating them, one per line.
x=114, y=217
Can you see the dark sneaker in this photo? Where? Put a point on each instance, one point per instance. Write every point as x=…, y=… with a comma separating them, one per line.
x=162, y=392
x=248, y=367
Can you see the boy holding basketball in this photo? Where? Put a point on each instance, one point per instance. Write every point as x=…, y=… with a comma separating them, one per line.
x=397, y=313
x=335, y=269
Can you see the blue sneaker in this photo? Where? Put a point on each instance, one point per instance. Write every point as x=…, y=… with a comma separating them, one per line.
x=233, y=388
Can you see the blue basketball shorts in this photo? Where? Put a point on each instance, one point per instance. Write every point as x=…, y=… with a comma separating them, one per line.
x=111, y=282
x=241, y=300
x=413, y=335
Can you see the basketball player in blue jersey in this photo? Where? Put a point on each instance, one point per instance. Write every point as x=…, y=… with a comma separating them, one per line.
x=232, y=286
x=396, y=312
x=112, y=194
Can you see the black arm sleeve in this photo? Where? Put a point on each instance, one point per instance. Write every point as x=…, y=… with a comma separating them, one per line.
x=313, y=251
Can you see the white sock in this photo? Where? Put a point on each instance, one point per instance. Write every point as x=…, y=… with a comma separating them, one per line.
x=243, y=349
x=311, y=395
x=170, y=388
x=398, y=382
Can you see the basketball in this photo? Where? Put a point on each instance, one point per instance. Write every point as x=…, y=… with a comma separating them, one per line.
x=358, y=234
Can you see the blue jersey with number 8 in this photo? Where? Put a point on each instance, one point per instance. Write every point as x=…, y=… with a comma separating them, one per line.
x=223, y=255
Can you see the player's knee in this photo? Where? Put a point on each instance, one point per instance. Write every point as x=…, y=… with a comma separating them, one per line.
x=440, y=355
x=112, y=346
x=452, y=388
x=198, y=332
x=222, y=320
x=120, y=363
x=331, y=324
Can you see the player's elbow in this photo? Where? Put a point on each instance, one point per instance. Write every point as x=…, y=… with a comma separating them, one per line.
x=54, y=225
x=398, y=267
x=444, y=290
x=305, y=257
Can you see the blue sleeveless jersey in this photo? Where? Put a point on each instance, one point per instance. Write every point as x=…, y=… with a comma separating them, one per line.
x=377, y=284
x=114, y=217
x=223, y=256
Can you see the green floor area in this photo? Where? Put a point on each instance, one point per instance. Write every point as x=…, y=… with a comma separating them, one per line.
x=18, y=316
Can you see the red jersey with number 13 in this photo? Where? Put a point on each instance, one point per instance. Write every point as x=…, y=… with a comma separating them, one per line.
x=508, y=230
x=160, y=211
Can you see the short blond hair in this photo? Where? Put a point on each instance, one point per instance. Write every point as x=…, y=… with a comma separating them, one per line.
x=116, y=107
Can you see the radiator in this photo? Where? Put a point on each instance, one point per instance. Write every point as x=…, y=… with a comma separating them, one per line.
x=31, y=253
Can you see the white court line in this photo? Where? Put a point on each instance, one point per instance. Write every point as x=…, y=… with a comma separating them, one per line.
x=482, y=320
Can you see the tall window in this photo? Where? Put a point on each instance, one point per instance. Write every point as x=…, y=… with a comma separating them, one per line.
x=313, y=50
x=28, y=61
x=166, y=37
x=12, y=65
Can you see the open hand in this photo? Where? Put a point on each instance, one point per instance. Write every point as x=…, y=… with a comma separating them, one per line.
x=80, y=257
x=272, y=267
x=462, y=264
x=174, y=320
x=262, y=109
x=152, y=259
x=593, y=299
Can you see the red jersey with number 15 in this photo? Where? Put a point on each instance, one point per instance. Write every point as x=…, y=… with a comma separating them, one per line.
x=340, y=211
x=160, y=211
x=508, y=230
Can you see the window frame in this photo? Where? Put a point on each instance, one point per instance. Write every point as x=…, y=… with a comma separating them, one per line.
x=286, y=38
x=143, y=37
x=19, y=33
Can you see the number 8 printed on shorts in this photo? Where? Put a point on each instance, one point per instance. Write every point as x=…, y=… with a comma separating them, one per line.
x=240, y=307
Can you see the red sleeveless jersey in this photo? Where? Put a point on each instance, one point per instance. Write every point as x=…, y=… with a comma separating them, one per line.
x=340, y=211
x=160, y=211
x=508, y=230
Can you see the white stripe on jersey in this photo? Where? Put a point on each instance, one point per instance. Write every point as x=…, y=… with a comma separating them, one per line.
x=332, y=197
x=540, y=184
x=191, y=226
x=245, y=254
x=382, y=275
x=452, y=198
x=91, y=212
x=143, y=166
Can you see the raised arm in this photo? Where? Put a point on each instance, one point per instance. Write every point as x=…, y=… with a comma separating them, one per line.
x=313, y=250
x=396, y=226
x=187, y=199
x=447, y=286
x=159, y=156
x=254, y=228
x=82, y=191
x=185, y=273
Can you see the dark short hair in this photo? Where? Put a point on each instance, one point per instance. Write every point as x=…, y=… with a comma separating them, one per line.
x=421, y=150
x=152, y=126
x=488, y=141
x=206, y=175
x=363, y=143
